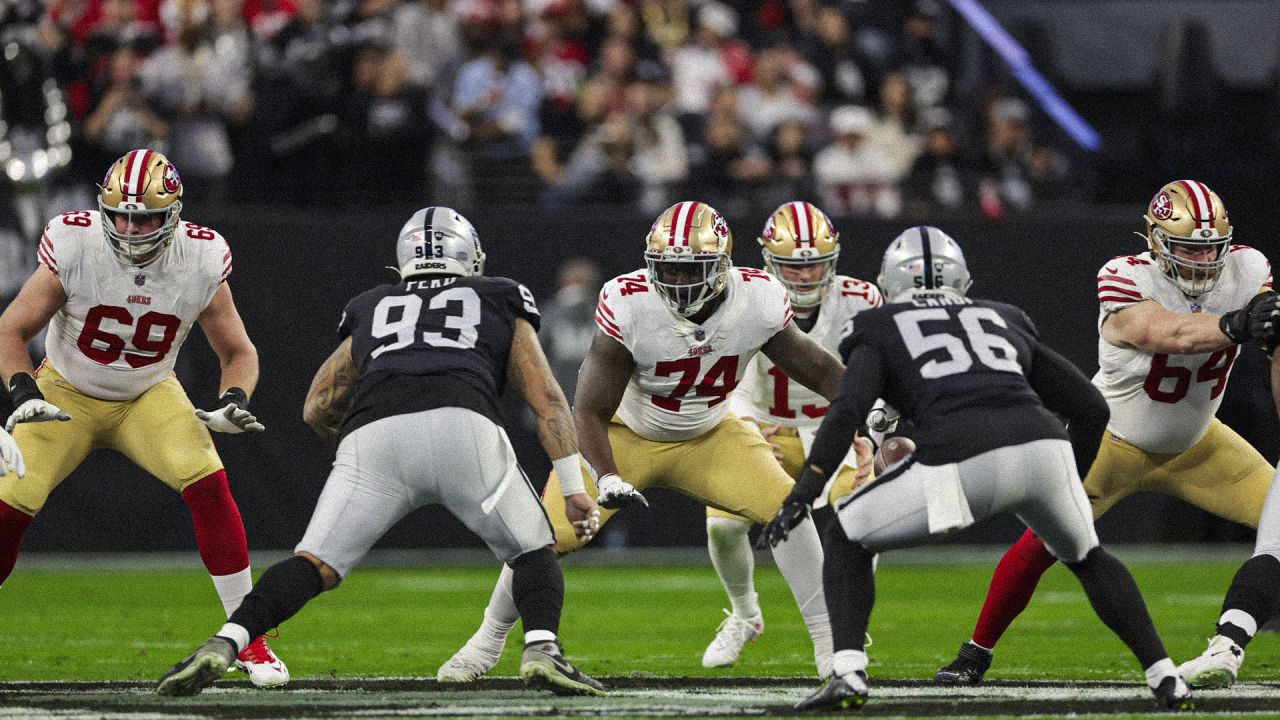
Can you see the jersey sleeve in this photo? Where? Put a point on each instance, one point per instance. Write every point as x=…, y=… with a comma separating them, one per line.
x=225, y=249
x=350, y=319
x=773, y=301
x=1123, y=282
x=520, y=300
x=613, y=310
x=60, y=241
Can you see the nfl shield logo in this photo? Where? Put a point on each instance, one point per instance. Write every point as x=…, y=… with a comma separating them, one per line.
x=140, y=280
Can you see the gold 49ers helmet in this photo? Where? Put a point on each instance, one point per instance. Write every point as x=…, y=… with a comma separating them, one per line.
x=140, y=188
x=687, y=252
x=798, y=234
x=1188, y=233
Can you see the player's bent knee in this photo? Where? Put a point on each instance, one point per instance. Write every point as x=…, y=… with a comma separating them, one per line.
x=725, y=529
x=329, y=578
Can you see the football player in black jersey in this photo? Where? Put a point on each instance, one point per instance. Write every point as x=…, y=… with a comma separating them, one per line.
x=411, y=396
x=979, y=386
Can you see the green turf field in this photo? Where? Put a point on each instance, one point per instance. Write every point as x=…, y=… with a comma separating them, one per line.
x=636, y=621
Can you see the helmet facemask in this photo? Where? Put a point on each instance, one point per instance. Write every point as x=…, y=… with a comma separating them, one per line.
x=804, y=293
x=143, y=248
x=1193, y=277
x=686, y=283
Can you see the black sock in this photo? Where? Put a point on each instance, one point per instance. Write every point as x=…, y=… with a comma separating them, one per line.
x=1118, y=602
x=278, y=595
x=849, y=586
x=1254, y=590
x=537, y=586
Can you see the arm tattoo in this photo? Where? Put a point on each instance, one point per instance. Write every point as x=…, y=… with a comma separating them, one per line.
x=331, y=395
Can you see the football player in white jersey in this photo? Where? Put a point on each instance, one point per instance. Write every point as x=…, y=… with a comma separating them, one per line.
x=800, y=248
x=119, y=289
x=1170, y=323
x=673, y=342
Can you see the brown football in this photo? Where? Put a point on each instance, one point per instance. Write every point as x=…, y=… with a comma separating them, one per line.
x=893, y=450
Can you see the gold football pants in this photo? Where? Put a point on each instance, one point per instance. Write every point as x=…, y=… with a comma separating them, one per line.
x=1221, y=473
x=157, y=430
x=730, y=468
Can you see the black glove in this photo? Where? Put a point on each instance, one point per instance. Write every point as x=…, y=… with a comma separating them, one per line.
x=792, y=513
x=1260, y=318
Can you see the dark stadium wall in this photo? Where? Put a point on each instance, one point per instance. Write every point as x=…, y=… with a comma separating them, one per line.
x=295, y=269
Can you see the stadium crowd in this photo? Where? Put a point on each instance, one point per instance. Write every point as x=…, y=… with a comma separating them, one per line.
x=887, y=108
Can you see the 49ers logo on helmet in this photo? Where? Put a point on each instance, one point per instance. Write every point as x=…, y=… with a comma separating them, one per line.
x=171, y=180
x=720, y=227
x=1162, y=206
x=769, y=230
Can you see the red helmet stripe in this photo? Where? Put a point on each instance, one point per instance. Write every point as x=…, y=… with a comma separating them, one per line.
x=135, y=169
x=1201, y=204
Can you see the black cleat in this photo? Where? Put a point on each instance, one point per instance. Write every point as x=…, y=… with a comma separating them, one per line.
x=200, y=669
x=1172, y=693
x=968, y=668
x=838, y=693
x=543, y=667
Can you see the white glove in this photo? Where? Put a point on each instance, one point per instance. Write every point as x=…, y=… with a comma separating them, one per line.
x=883, y=419
x=11, y=456
x=35, y=411
x=233, y=417
x=617, y=493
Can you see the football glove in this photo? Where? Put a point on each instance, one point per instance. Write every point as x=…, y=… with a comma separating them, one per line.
x=616, y=493
x=29, y=403
x=232, y=415
x=792, y=513
x=11, y=456
x=1260, y=319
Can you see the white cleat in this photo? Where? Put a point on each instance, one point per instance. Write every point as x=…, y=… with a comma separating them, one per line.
x=264, y=668
x=1217, y=667
x=734, y=632
x=468, y=664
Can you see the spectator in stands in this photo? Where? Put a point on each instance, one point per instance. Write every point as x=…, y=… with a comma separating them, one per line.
x=615, y=67
x=624, y=22
x=601, y=169
x=833, y=52
x=711, y=60
x=894, y=131
x=200, y=84
x=792, y=163
x=427, y=35
x=1019, y=170
x=924, y=56
x=120, y=118
x=384, y=129
x=941, y=179
x=568, y=321
x=773, y=97
x=661, y=156
x=562, y=131
x=728, y=167
x=851, y=175
x=666, y=22
x=497, y=95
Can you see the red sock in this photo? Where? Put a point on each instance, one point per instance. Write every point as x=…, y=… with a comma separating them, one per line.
x=13, y=524
x=1012, y=586
x=219, y=530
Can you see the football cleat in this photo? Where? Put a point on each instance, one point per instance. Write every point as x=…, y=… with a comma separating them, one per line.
x=1217, y=667
x=543, y=667
x=200, y=669
x=1173, y=693
x=968, y=668
x=840, y=692
x=469, y=664
x=264, y=668
x=734, y=633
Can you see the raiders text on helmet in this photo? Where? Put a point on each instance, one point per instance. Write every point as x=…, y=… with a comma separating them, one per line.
x=798, y=234
x=923, y=258
x=439, y=241
x=687, y=253
x=1188, y=217
x=138, y=187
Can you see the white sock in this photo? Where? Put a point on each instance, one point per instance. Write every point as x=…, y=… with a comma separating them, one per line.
x=1240, y=619
x=499, y=616
x=236, y=634
x=1158, y=671
x=232, y=588
x=534, y=636
x=799, y=557
x=848, y=662
x=730, y=550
